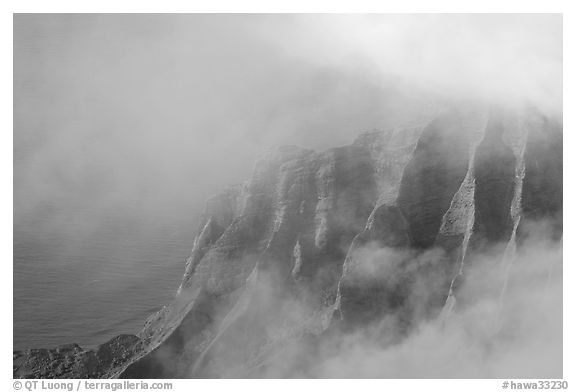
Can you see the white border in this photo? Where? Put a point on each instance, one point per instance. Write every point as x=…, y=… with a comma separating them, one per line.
x=357, y=6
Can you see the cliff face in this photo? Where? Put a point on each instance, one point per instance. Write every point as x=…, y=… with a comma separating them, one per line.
x=284, y=260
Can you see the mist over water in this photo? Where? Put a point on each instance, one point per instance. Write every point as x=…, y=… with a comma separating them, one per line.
x=70, y=288
x=125, y=124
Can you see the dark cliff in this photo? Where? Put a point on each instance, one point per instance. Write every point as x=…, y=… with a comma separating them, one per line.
x=277, y=263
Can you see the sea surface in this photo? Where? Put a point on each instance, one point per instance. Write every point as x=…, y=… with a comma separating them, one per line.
x=85, y=282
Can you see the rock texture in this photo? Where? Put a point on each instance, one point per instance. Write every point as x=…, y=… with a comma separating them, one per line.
x=72, y=361
x=317, y=242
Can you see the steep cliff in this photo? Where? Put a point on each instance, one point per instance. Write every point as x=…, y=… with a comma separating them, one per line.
x=317, y=243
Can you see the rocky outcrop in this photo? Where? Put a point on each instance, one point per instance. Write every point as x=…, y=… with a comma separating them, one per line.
x=542, y=188
x=72, y=361
x=317, y=242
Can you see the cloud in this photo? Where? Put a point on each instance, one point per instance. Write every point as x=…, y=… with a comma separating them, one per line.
x=520, y=338
x=140, y=118
x=159, y=110
x=485, y=335
x=501, y=58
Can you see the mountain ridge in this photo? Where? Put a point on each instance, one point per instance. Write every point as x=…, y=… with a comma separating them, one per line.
x=286, y=259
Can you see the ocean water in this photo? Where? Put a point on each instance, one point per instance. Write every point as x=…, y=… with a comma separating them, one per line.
x=84, y=283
